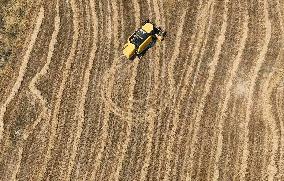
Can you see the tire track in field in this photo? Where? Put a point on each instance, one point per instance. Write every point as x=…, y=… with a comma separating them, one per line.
x=126, y=115
x=109, y=75
x=200, y=167
x=131, y=90
x=212, y=68
x=259, y=63
x=196, y=48
x=22, y=70
x=279, y=97
x=234, y=116
x=201, y=44
x=73, y=152
x=150, y=131
x=115, y=108
x=18, y=164
x=35, y=92
x=269, y=122
x=160, y=18
x=273, y=134
x=189, y=65
x=176, y=52
x=108, y=92
x=169, y=151
x=81, y=107
x=54, y=118
x=185, y=77
x=228, y=87
x=150, y=113
x=26, y=42
x=281, y=164
x=129, y=123
x=82, y=153
x=67, y=124
x=182, y=89
x=26, y=134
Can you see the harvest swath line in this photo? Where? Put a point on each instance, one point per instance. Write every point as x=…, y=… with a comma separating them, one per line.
x=82, y=152
x=128, y=126
x=136, y=12
x=200, y=44
x=189, y=64
x=220, y=117
x=105, y=125
x=212, y=69
x=73, y=141
x=211, y=77
x=122, y=19
x=160, y=20
x=280, y=116
x=150, y=149
x=251, y=91
x=162, y=71
x=100, y=34
x=17, y=165
x=272, y=133
x=107, y=99
x=202, y=41
x=37, y=93
x=156, y=65
x=281, y=164
x=112, y=71
x=188, y=70
x=196, y=74
x=159, y=11
x=176, y=52
x=20, y=153
x=272, y=84
x=54, y=119
x=181, y=88
x=268, y=116
x=151, y=114
x=150, y=132
x=22, y=70
x=80, y=112
x=234, y=114
x=169, y=153
x=150, y=117
x=131, y=90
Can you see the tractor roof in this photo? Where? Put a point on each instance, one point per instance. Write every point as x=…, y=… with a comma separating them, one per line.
x=138, y=37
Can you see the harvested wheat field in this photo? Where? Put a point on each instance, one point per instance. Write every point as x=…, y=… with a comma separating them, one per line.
x=207, y=103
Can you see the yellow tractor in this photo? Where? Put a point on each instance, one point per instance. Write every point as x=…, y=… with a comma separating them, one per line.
x=142, y=39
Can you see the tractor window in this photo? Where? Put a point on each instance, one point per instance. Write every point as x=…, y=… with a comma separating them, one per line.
x=142, y=34
x=138, y=37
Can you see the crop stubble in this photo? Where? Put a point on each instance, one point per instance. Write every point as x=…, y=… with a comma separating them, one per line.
x=205, y=104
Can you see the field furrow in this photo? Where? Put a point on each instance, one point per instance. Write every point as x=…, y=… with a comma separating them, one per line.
x=206, y=103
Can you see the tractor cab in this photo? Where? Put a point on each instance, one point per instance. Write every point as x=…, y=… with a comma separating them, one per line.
x=141, y=40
